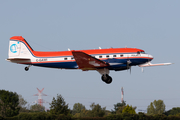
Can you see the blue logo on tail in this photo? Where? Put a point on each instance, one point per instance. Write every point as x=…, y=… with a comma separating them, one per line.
x=13, y=48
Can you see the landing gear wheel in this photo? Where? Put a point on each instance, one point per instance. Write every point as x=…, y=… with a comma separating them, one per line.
x=106, y=78
x=26, y=68
x=109, y=80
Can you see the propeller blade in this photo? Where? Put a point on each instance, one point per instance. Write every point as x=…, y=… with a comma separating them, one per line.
x=128, y=62
x=142, y=69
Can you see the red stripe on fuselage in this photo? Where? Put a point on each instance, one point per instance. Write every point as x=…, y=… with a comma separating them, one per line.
x=69, y=53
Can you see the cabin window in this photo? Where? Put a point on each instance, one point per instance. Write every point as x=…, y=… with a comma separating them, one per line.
x=72, y=58
x=100, y=56
x=142, y=52
x=107, y=56
x=65, y=58
x=114, y=55
x=121, y=55
x=138, y=52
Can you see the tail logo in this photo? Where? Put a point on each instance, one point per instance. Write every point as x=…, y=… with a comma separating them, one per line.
x=13, y=48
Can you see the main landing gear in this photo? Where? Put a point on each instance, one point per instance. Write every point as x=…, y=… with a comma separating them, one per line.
x=105, y=75
x=106, y=78
x=27, y=68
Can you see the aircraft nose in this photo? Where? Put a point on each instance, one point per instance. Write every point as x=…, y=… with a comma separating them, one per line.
x=150, y=57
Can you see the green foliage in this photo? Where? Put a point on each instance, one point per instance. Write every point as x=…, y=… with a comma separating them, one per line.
x=36, y=116
x=129, y=109
x=63, y=117
x=118, y=108
x=173, y=111
x=114, y=117
x=11, y=118
x=97, y=111
x=9, y=103
x=58, y=106
x=77, y=108
x=39, y=116
x=84, y=113
x=156, y=107
x=22, y=104
x=123, y=116
x=160, y=117
x=37, y=107
x=25, y=116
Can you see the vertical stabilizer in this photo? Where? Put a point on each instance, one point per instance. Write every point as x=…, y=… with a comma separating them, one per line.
x=19, y=48
x=14, y=48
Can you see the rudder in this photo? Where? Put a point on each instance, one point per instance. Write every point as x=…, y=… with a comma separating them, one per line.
x=19, y=48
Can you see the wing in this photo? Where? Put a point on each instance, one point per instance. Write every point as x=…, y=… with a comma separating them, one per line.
x=87, y=62
x=150, y=64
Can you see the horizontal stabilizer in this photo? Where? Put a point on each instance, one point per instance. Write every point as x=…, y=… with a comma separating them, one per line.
x=19, y=60
x=9, y=59
x=150, y=64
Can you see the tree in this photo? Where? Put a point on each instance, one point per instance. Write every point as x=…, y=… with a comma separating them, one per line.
x=58, y=106
x=129, y=109
x=118, y=108
x=22, y=104
x=9, y=103
x=173, y=111
x=37, y=107
x=84, y=113
x=156, y=107
x=97, y=111
x=77, y=108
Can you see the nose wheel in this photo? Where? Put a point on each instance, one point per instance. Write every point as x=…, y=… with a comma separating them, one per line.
x=27, y=68
x=106, y=78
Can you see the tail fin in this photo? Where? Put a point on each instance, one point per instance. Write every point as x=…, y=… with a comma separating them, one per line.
x=19, y=48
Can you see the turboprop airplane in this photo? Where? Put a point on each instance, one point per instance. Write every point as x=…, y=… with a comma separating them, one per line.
x=101, y=60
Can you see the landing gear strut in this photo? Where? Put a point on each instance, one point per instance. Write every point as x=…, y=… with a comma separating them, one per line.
x=27, y=68
x=106, y=78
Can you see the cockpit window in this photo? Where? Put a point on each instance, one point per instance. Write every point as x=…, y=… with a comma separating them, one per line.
x=140, y=52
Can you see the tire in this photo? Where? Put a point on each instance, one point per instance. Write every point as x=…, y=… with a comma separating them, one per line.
x=105, y=77
x=109, y=80
x=26, y=68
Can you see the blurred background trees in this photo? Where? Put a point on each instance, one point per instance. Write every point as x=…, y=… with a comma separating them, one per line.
x=37, y=108
x=156, y=107
x=59, y=106
x=9, y=102
x=118, y=108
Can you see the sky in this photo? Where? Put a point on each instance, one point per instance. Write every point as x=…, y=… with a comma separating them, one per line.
x=89, y=24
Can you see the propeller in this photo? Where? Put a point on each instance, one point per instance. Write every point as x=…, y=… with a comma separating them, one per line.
x=129, y=62
x=142, y=69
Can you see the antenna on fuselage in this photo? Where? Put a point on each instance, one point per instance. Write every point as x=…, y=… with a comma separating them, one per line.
x=99, y=47
x=69, y=49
